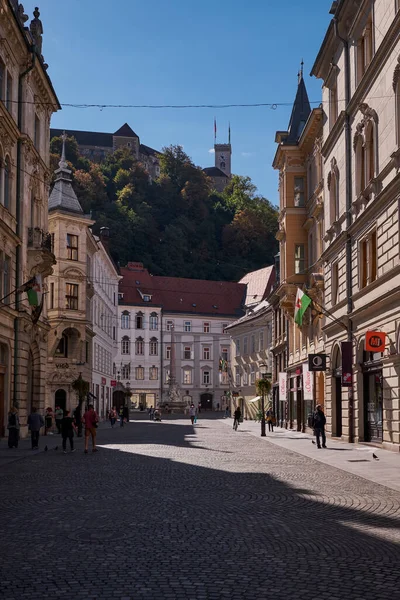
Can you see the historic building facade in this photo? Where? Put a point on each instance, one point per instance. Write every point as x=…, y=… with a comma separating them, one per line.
x=359, y=64
x=251, y=340
x=172, y=326
x=96, y=146
x=301, y=229
x=27, y=101
x=70, y=292
x=102, y=273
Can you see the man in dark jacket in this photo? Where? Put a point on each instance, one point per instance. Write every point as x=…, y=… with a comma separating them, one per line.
x=35, y=422
x=318, y=422
x=236, y=417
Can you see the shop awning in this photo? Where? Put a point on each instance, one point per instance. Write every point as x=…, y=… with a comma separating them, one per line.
x=256, y=399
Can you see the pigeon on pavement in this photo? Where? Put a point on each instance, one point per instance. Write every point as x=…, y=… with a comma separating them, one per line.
x=45, y=448
x=375, y=456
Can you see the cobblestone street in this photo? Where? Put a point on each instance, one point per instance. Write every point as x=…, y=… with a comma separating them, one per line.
x=165, y=510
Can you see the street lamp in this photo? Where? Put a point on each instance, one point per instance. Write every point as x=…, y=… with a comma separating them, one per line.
x=263, y=373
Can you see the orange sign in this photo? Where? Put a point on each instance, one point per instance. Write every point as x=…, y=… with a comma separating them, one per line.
x=375, y=341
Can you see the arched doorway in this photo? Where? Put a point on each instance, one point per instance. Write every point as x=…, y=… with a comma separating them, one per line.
x=206, y=401
x=118, y=399
x=60, y=399
x=337, y=394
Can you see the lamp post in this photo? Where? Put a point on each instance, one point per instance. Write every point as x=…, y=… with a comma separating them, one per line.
x=263, y=373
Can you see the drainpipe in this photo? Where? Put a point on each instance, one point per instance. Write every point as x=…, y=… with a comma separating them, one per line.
x=349, y=192
x=19, y=199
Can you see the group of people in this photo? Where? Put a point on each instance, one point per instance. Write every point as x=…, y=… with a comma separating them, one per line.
x=66, y=425
x=122, y=414
x=154, y=413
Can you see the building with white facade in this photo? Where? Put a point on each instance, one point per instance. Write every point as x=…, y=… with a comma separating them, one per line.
x=165, y=319
x=103, y=275
x=251, y=339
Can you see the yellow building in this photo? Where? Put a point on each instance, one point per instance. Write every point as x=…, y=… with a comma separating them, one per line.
x=298, y=160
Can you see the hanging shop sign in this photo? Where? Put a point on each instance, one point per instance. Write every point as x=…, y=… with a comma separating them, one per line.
x=317, y=362
x=283, y=387
x=308, y=383
x=375, y=341
x=347, y=364
x=113, y=383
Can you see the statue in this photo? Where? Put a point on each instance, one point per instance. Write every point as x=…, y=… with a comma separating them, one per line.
x=36, y=29
x=21, y=14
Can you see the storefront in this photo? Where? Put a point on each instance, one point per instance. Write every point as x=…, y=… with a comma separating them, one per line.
x=373, y=397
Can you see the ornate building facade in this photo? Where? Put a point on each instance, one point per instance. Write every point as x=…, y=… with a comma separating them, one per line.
x=301, y=229
x=27, y=101
x=359, y=65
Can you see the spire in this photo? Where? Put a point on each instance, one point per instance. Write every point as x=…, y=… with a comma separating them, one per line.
x=300, y=112
x=62, y=196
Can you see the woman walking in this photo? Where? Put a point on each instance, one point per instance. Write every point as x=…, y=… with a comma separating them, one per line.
x=13, y=428
x=90, y=420
x=271, y=419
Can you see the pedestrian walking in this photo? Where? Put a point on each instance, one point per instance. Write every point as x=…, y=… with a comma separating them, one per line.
x=151, y=413
x=237, y=415
x=13, y=427
x=226, y=412
x=126, y=414
x=59, y=417
x=318, y=422
x=67, y=431
x=121, y=416
x=90, y=420
x=192, y=413
x=271, y=420
x=48, y=420
x=35, y=423
x=112, y=415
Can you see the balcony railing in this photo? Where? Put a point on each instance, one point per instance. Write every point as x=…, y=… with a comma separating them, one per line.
x=39, y=239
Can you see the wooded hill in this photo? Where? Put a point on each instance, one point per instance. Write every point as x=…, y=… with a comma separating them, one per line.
x=178, y=225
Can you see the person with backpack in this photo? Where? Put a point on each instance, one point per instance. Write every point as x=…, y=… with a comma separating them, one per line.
x=90, y=420
x=67, y=431
x=318, y=423
x=13, y=428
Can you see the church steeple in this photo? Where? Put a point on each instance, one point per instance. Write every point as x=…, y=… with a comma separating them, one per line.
x=300, y=112
x=62, y=195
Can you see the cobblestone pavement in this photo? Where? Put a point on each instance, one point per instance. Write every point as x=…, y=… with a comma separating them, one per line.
x=165, y=510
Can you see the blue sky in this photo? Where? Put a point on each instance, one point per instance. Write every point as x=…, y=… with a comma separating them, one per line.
x=185, y=52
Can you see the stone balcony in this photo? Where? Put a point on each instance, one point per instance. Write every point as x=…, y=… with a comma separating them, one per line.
x=40, y=256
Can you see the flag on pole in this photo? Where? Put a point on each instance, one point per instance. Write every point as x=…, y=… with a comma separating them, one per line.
x=300, y=307
x=229, y=133
x=215, y=128
x=35, y=292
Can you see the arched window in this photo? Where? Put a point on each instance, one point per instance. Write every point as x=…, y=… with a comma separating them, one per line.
x=139, y=346
x=139, y=320
x=153, y=321
x=125, y=345
x=125, y=320
x=153, y=347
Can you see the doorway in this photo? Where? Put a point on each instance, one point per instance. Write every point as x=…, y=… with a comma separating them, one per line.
x=373, y=407
x=118, y=399
x=206, y=401
x=60, y=399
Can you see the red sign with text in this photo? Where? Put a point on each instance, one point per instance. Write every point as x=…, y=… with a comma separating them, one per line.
x=375, y=341
x=113, y=383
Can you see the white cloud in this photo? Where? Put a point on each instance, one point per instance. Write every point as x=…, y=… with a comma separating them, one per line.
x=211, y=151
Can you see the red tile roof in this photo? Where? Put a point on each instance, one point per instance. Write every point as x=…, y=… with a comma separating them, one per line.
x=175, y=294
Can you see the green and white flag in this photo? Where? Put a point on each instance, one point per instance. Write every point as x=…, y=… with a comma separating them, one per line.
x=35, y=292
x=300, y=307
